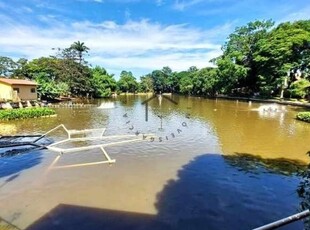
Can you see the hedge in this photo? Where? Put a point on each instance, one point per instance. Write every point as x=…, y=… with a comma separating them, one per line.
x=303, y=116
x=25, y=113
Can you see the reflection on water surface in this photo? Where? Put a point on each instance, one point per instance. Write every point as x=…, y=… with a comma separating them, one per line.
x=229, y=168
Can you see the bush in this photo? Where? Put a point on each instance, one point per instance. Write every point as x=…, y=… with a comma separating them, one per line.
x=25, y=113
x=298, y=89
x=303, y=116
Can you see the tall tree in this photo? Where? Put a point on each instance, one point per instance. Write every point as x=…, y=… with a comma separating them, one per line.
x=80, y=48
x=240, y=49
x=284, y=53
x=205, y=81
x=21, y=70
x=161, y=81
x=146, y=84
x=127, y=82
x=102, y=83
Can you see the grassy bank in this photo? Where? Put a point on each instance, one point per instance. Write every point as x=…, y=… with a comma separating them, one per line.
x=303, y=116
x=13, y=114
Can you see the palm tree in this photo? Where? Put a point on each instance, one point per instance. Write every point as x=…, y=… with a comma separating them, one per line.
x=80, y=48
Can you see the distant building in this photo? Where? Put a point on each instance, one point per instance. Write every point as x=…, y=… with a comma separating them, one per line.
x=17, y=90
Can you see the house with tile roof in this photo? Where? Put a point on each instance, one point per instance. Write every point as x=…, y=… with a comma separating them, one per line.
x=17, y=90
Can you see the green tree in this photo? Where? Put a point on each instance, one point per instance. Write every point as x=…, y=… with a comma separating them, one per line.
x=49, y=89
x=186, y=85
x=162, y=80
x=102, y=83
x=299, y=89
x=205, y=82
x=54, y=71
x=192, y=69
x=46, y=72
x=285, y=50
x=47, y=66
x=146, y=84
x=127, y=82
x=80, y=48
x=76, y=74
x=230, y=75
x=21, y=70
x=239, y=54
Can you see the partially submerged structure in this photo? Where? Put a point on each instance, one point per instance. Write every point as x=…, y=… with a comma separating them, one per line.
x=72, y=136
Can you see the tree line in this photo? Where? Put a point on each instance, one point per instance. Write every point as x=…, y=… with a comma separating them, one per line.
x=259, y=59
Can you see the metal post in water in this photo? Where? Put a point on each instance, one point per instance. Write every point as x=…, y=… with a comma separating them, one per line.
x=146, y=111
x=285, y=221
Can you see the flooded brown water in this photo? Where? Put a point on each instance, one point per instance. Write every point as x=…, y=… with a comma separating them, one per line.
x=214, y=164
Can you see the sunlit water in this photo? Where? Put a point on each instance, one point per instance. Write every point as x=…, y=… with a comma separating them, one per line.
x=214, y=164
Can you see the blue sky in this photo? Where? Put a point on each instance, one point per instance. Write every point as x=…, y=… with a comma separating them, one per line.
x=134, y=35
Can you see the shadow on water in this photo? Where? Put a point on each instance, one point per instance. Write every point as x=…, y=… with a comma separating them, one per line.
x=66, y=216
x=211, y=192
x=14, y=161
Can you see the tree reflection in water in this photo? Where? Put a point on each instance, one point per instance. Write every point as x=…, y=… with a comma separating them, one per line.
x=255, y=164
x=304, y=191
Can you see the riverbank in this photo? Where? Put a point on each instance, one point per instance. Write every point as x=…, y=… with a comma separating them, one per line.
x=282, y=102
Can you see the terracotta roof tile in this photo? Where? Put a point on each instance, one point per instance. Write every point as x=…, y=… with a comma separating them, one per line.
x=17, y=81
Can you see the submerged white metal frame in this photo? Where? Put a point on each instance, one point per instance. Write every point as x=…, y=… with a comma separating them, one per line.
x=70, y=138
x=70, y=133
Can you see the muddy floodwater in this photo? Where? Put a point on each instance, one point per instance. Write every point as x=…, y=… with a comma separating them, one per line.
x=210, y=164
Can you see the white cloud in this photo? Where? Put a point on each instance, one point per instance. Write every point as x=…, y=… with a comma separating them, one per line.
x=134, y=45
x=26, y=9
x=301, y=14
x=181, y=4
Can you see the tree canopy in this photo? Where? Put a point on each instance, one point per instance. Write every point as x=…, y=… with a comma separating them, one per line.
x=258, y=59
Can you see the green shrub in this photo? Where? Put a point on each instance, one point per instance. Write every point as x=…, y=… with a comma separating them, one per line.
x=12, y=114
x=298, y=88
x=303, y=116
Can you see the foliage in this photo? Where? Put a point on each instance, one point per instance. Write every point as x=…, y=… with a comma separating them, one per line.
x=186, y=85
x=102, y=83
x=230, y=75
x=299, y=89
x=258, y=59
x=146, y=84
x=80, y=48
x=127, y=82
x=206, y=82
x=303, y=116
x=25, y=113
x=60, y=75
x=283, y=52
x=239, y=55
x=160, y=80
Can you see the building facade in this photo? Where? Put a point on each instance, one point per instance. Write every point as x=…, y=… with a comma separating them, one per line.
x=17, y=90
